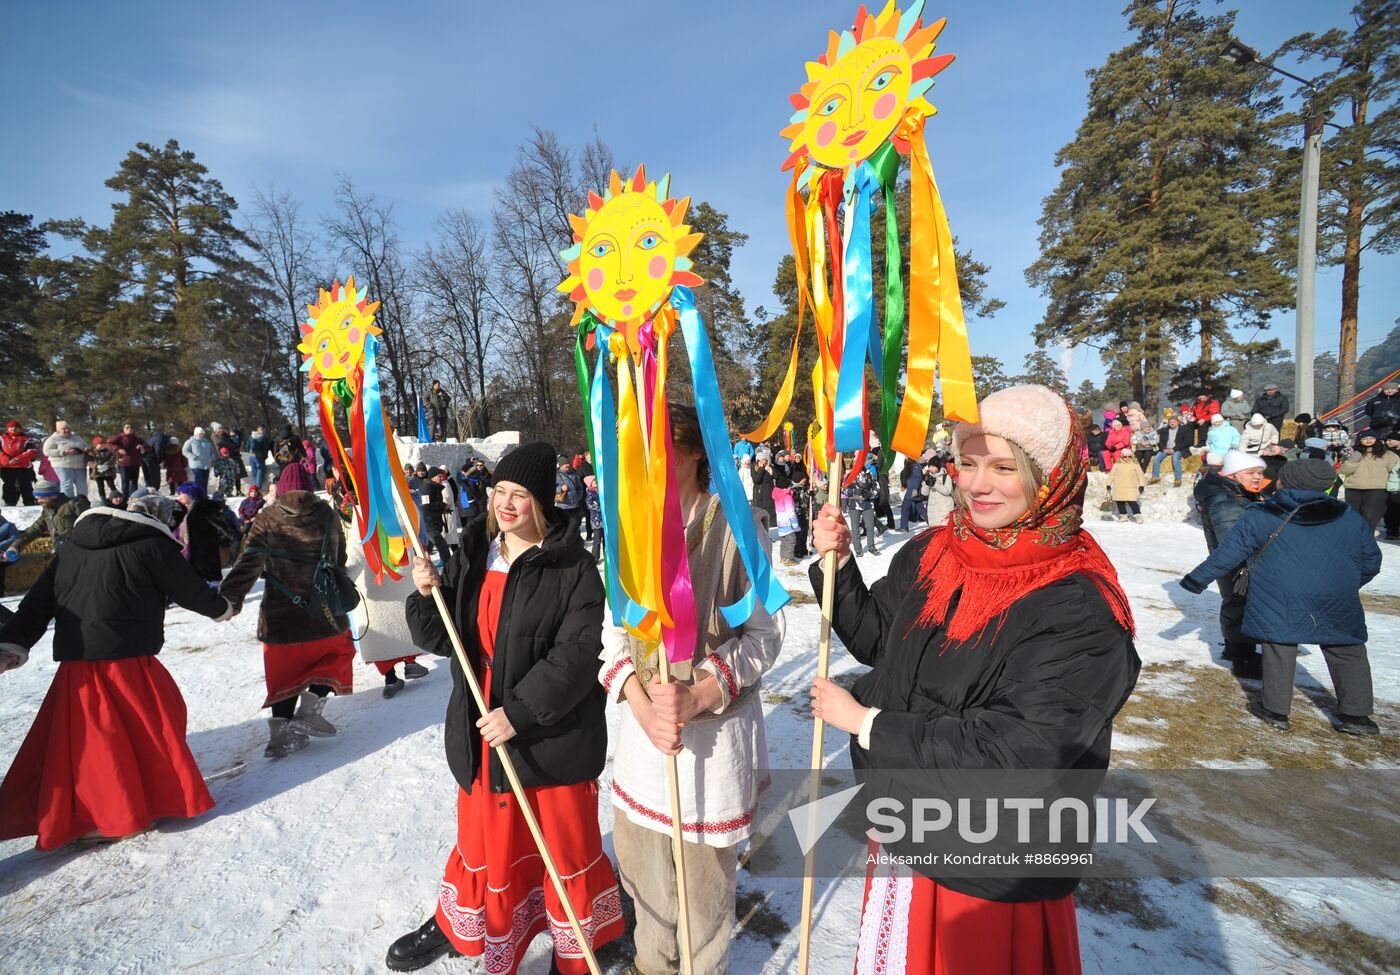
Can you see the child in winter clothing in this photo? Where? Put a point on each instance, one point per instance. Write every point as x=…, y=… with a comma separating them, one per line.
x=595, y=514
x=249, y=507
x=1221, y=438
x=226, y=472
x=1126, y=482
x=102, y=466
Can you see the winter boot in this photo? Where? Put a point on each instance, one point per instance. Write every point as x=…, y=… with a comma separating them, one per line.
x=414, y=670
x=1138, y=519
x=1122, y=517
x=420, y=948
x=1176, y=483
x=1279, y=722
x=283, y=738
x=309, y=720
x=1154, y=480
x=392, y=684
x=1349, y=725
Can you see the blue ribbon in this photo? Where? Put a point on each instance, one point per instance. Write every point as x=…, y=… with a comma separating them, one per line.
x=379, y=478
x=765, y=588
x=862, y=336
x=603, y=409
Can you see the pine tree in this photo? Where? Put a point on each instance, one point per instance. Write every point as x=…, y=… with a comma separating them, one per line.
x=1042, y=369
x=1360, y=172
x=175, y=302
x=20, y=243
x=732, y=338
x=1157, y=231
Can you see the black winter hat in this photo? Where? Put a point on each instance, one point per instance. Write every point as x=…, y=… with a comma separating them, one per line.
x=1309, y=474
x=533, y=467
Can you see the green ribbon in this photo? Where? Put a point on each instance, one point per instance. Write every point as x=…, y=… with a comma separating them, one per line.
x=885, y=162
x=586, y=325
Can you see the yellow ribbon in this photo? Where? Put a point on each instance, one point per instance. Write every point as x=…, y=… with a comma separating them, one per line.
x=634, y=503
x=783, y=400
x=937, y=329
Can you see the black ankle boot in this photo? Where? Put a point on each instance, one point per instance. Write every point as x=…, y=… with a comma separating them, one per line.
x=422, y=947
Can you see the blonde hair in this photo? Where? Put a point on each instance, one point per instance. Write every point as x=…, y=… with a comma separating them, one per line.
x=493, y=527
x=1032, y=479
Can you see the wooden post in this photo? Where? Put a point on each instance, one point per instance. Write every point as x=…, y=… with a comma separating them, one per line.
x=809, y=880
x=672, y=773
x=472, y=685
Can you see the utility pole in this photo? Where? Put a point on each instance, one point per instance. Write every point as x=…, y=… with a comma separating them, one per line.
x=1314, y=118
x=1313, y=121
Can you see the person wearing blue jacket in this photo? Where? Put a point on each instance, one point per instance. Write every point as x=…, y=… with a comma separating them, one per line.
x=1221, y=437
x=1304, y=588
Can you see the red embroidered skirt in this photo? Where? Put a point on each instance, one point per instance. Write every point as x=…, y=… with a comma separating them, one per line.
x=293, y=667
x=495, y=895
x=384, y=666
x=911, y=925
x=106, y=752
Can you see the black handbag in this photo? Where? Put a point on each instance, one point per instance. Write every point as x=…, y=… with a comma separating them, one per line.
x=1242, y=580
x=333, y=592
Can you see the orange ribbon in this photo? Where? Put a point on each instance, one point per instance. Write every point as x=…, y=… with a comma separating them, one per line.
x=937, y=329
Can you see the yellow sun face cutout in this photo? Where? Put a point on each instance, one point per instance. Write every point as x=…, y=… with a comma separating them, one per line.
x=335, y=330
x=630, y=247
x=869, y=80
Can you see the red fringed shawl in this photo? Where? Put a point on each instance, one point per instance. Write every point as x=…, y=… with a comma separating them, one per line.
x=994, y=568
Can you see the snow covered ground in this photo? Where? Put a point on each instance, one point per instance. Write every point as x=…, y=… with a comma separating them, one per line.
x=317, y=862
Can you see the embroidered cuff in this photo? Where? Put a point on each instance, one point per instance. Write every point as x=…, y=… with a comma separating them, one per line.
x=863, y=739
x=21, y=654
x=724, y=677
x=616, y=677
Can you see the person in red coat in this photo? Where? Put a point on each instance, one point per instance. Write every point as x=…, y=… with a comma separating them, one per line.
x=998, y=641
x=106, y=756
x=17, y=453
x=1205, y=407
x=1117, y=438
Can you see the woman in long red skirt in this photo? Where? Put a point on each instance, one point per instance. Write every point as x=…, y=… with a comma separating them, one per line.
x=1000, y=640
x=306, y=655
x=528, y=603
x=106, y=756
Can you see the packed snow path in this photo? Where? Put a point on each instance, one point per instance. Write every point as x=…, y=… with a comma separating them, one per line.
x=315, y=863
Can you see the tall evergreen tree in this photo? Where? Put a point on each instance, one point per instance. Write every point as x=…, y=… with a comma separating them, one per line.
x=1360, y=173
x=1157, y=232
x=1041, y=368
x=172, y=294
x=20, y=243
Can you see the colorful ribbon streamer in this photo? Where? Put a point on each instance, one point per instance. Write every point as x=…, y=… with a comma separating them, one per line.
x=764, y=587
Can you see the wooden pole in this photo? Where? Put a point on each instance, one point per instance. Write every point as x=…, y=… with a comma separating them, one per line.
x=677, y=838
x=472, y=685
x=672, y=772
x=809, y=880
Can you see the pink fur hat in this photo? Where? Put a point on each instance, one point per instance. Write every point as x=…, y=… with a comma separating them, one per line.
x=1034, y=418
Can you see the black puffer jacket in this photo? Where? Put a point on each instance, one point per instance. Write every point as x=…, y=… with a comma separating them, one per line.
x=296, y=523
x=1384, y=411
x=1037, y=689
x=1220, y=501
x=107, y=589
x=545, y=666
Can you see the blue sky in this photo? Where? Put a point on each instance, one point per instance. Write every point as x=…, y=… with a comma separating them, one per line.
x=424, y=103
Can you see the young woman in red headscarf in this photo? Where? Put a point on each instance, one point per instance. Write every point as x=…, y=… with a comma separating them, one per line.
x=999, y=640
